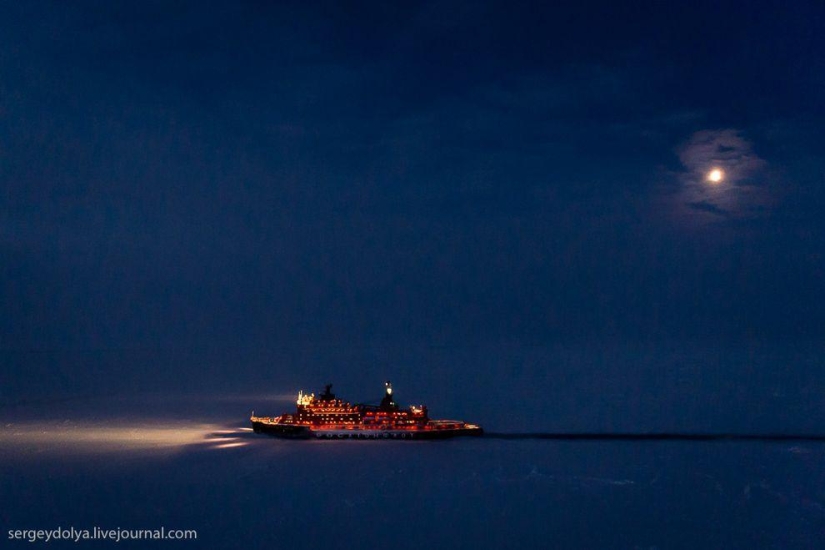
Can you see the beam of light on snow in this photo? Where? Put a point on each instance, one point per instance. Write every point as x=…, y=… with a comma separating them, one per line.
x=115, y=436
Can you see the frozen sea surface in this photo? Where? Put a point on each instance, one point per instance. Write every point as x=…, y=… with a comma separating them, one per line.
x=192, y=463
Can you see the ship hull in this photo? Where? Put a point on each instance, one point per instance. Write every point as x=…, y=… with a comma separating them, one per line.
x=306, y=432
x=281, y=430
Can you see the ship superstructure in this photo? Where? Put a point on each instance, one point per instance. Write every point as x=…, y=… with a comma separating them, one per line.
x=326, y=416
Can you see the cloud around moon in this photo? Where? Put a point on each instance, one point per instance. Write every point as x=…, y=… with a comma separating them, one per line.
x=741, y=194
x=721, y=149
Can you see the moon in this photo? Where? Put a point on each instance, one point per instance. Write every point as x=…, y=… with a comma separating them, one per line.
x=716, y=175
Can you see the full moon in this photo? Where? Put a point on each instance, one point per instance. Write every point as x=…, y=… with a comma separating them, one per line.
x=716, y=175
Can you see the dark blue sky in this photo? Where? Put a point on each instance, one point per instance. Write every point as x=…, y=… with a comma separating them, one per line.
x=252, y=173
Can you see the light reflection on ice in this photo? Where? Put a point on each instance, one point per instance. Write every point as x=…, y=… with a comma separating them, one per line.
x=79, y=438
x=231, y=445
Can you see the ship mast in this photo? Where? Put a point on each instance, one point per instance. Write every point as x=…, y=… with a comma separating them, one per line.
x=388, y=402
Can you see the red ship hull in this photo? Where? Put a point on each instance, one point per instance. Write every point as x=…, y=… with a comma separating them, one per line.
x=308, y=432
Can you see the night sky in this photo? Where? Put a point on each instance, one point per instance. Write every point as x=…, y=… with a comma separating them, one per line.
x=248, y=175
x=548, y=217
